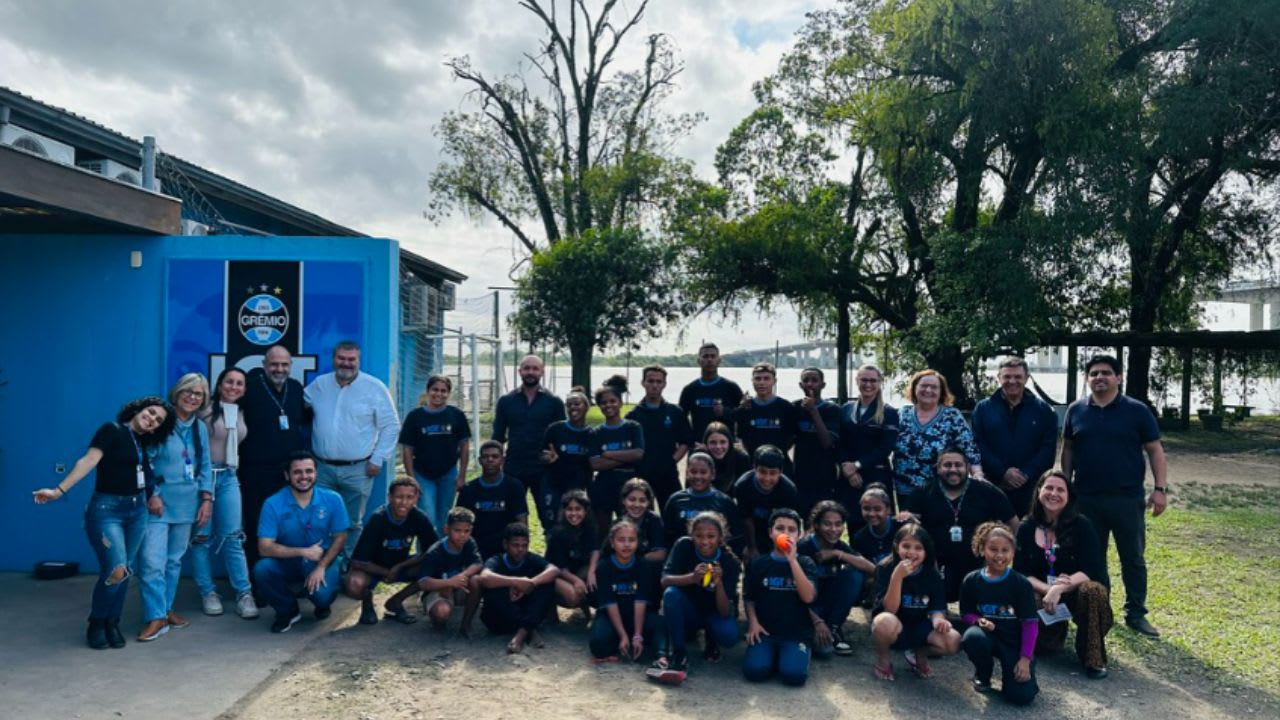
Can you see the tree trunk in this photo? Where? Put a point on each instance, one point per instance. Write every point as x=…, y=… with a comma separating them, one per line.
x=580, y=360
x=842, y=351
x=948, y=360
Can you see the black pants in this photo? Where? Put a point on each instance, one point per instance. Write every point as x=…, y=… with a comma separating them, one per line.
x=257, y=483
x=1125, y=518
x=501, y=614
x=983, y=650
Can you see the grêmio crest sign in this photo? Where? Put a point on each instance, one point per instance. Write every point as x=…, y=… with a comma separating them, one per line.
x=230, y=312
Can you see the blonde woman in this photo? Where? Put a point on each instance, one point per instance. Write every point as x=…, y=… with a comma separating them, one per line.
x=867, y=434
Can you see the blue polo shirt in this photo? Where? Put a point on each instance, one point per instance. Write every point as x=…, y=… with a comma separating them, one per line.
x=299, y=527
x=1106, y=445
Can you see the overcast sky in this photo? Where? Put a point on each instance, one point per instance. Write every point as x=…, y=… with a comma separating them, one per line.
x=330, y=105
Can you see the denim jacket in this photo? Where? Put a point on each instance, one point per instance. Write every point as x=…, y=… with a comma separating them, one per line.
x=181, y=494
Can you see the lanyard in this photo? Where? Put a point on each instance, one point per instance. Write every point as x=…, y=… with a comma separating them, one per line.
x=284, y=396
x=136, y=445
x=957, y=503
x=1050, y=551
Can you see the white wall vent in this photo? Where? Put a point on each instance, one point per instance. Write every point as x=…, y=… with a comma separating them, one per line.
x=23, y=139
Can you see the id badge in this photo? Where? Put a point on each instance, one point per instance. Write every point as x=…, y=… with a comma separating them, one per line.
x=284, y=422
x=142, y=478
x=957, y=535
x=189, y=470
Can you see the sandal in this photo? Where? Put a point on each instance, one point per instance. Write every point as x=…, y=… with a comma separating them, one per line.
x=918, y=664
x=399, y=614
x=883, y=672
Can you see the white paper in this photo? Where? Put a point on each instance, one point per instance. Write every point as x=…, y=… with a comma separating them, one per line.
x=1060, y=614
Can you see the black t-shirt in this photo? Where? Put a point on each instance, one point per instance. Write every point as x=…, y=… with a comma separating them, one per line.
x=1005, y=602
x=626, y=585
x=809, y=546
x=771, y=587
x=269, y=444
x=815, y=466
x=757, y=505
x=980, y=503
x=684, y=558
x=570, y=548
x=495, y=506
x=686, y=504
x=730, y=468
x=651, y=535
x=627, y=435
x=664, y=427
x=698, y=400
x=875, y=547
x=434, y=436
x=442, y=563
x=531, y=566
x=117, y=471
x=385, y=543
x=923, y=593
x=572, y=468
x=771, y=423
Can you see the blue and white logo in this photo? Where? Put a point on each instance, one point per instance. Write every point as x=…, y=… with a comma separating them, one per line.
x=263, y=319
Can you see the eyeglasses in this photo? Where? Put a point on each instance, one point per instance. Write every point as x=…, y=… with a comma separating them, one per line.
x=192, y=393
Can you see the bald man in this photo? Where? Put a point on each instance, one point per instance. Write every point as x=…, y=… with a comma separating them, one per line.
x=274, y=414
x=520, y=421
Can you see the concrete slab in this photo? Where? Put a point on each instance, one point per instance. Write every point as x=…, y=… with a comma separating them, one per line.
x=47, y=671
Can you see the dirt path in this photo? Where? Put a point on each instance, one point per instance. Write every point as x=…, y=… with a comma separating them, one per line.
x=392, y=671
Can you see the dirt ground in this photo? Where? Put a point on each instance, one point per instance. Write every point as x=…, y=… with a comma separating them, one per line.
x=393, y=671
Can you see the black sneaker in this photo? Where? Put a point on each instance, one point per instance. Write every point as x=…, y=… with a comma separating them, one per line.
x=980, y=685
x=368, y=616
x=282, y=623
x=839, y=645
x=96, y=635
x=323, y=611
x=669, y=671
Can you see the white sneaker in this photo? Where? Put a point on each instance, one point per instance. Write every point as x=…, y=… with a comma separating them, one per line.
x=246, y=607
x=212, y=604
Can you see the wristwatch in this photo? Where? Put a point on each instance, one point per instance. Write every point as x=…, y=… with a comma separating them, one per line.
x=1159, y=489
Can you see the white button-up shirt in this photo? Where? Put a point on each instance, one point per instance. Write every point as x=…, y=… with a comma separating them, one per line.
x=352, y=422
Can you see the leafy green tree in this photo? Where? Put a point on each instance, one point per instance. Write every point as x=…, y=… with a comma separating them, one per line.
x=567, y=144
x=604, y=287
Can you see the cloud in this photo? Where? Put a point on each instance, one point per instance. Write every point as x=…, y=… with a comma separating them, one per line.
x=330, y=105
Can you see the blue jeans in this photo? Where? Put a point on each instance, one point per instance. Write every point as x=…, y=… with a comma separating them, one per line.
x=163, y=546
x=354, y=486
x=683, y=620
x=789, y=658
x=437, y=496
x=983, y=649
x=223, y=534
x=114, y=525
x=837, y=595
x=273, y=576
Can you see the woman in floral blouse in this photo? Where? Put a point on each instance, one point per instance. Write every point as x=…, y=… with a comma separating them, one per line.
x=925, y=427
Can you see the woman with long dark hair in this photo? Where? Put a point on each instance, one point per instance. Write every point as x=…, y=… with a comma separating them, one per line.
x=224, y=534
x=1059, y=553
x=116, y=516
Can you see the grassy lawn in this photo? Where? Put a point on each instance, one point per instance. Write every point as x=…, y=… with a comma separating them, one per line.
x=1213, y=563
x=1255, y=434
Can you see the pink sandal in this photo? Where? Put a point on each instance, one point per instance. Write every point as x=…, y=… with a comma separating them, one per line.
x=918, y=664
x=883, y=672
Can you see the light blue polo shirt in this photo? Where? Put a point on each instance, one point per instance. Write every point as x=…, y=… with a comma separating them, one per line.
x=297, y=527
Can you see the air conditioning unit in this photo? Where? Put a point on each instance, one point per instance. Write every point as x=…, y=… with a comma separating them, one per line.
x=113, y=170
x=449, y=295
x=418, y=306
x=36, y=144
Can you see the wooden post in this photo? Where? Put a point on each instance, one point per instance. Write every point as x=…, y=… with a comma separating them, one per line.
x=1073, y=373
x=1186, y=389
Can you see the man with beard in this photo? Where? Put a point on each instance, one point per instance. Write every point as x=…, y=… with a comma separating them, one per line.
x=520, y=420
x=273, y=407
x=1103, y=442
x=950, y=509
x=353, y=432
x=302, y=531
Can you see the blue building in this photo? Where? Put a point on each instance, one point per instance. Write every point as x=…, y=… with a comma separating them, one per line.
x=123, y=268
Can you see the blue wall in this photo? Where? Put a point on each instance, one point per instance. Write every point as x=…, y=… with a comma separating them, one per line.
x=85, y=332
